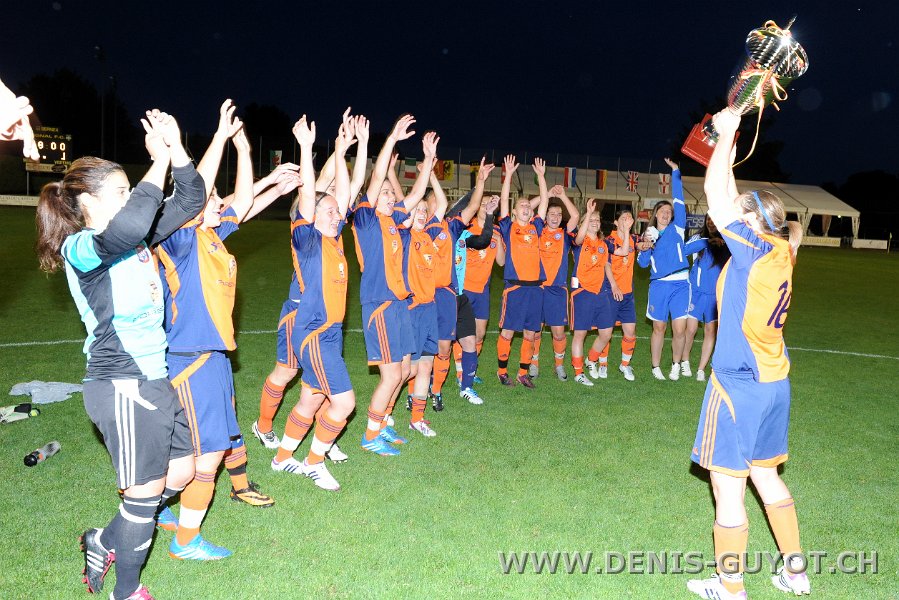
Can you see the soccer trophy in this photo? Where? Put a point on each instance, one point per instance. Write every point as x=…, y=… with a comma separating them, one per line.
x=773, y=59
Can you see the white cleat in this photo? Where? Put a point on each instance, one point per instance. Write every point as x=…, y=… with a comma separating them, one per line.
x=713, y=589
x=335, y=454
x=582, y=379
x=534, y=370
x=561, y=374
x=795, y=583
x=422, y=428
x=592, y=369
x=389, y=420
x=674, y=375
x=320, y=476
x=269, y=440
x=700, y=375
x=288, y=465
x=685, y=368
x=603, y=370
x=627, y=371
x=657, y=373
x=471, y=395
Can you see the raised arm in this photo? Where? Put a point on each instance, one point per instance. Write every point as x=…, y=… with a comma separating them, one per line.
x=429, y=146
x=14, y=121
x=439, y=194
x=358, y=178
x=474, y=202
x=510, y=165
x=227, y=127
x=677, y=197
x=305, y=135
x=242, y=199
x=288, y=180
x=399, y=133
x=326, y=175
x=540, y=171
x=718, y=184
x=345, y=137
x=574, y=214
x=272, y=178
x=582, y=230
x=482, y=240
x=394, y=181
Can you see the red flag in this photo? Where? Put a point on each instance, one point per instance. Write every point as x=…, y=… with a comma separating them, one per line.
x=601, y=175
x=632, y=180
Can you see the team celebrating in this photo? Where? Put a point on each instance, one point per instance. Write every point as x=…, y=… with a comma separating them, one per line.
x=155, y=287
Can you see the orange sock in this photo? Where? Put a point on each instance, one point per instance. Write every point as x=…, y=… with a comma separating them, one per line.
x=294, y=431
x=441, y=370
x=418, y=409
x=503, y=347
x=604, y=354
x=375, y=419
x=326, y=404
x=478, y=347
x=785, y=525
x=457, y=357
x=559, y=351
x=578, y=363
x=732, y=542
x=535, y=355
x=268, y=404
x=326, y=431
x=195, y=501
x=524, y=357
x=390, y=406
x=627, y=349
x=236, y=463
x=592, y=355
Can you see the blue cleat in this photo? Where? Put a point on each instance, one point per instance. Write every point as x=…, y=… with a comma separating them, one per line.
x=477, y=380
x=197, y=549
x=389, y=434
x=167, y=520
x=379, y=446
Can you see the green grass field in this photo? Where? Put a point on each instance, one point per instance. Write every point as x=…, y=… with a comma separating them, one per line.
x=560, y=468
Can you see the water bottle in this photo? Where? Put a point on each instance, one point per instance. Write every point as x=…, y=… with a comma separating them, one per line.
x=42, y=454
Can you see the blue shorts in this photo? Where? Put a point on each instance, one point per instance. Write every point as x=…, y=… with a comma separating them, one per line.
x=743, y=423
x=388, y=331
x=522, y=308
x=624, y=310
x=446, y=313
x=589, y=310
x=205, y=386
x=555, y=305
x=286, y=356
x=668, y=299
x=424, y=327
x=321, y=358
x=480, y=303
x=703, y=307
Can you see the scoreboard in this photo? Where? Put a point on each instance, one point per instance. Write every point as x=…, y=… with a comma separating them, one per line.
x=55, y=149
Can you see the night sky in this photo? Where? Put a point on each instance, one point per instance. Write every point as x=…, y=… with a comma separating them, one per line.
x=599, y=78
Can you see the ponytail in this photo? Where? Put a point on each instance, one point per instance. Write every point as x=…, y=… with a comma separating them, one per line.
x=56, y=219
x=794, y=230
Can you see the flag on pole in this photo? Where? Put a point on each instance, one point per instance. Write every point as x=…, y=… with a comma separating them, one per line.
x=569, y=175
x=444, y=169
x=664, y=183
x=409, y=170
x=274, y=159
x=633, y=179
x=601, y=175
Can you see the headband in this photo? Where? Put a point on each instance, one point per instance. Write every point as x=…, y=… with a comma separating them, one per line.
x=764, y=212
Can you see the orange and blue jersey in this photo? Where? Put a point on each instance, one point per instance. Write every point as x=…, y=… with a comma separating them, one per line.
x=555, y=244
x=379, y=248
x=522, y=250
x=323, y=263
x=201, y=280
x=623, y=266
x=420, y=261
x=446, y=237
x=590, y=260
x=754, y=292
x=479, y=263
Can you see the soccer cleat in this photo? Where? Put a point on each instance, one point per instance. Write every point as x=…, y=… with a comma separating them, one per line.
x=505, y=380
x=141, y=593
x=389, y=420
x=700, y=375
x=336, y=455
x=713, y=589
x=592, y=368
x=582, y=379
x=97, y=560
x=796, y=583
x=437, y=401
x=603, y=370
x=197, y=549
x=422, y=428
x=674, y=374
x=252, y=496
x=561, y=374
x=408, y=401
x=167, y=520
x=288, y=465
x=685, y=369
x=534, y=370
x=657, y=373
x=320, y=476
x=269, y=440
x=476, y=380
x=471, y=395
x=627, y=371
x=379, y=446
x=389, y=434
x=525, y=380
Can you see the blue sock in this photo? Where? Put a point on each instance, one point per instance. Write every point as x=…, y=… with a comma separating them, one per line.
x=469, y=368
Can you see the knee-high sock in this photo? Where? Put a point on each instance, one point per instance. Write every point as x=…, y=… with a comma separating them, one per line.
x=441, y=370
x=627, y=349
x=535, y=355
x=559, y=351
x=375, y=419
x=469, y=368
x=326, y=431
x=272, y=394
x=604, y=354
x=730, y=549
x=236, y=464
x=296, y=429
x=592, y=355
x=195, y=501
x=785, y=525
x=457, y=357
x=418, y=408
x=137, y=520
x=527, y=350
x=503, y=348
x=578, y=363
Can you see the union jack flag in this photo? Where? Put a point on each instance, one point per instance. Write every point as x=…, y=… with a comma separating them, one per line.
x=632, y=180
x=664, y=182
